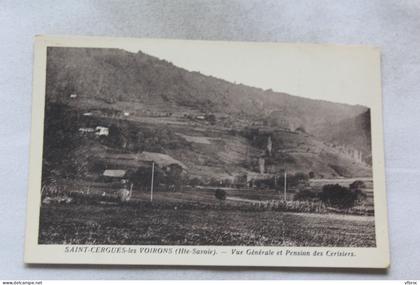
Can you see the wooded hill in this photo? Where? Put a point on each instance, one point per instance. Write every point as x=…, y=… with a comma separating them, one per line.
x=113, y=79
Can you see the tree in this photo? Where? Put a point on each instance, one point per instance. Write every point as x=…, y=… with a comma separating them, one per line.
x=174, y=176
x=335, y=195
x=220, y=194
x=211, y=118
x=301, y=177
x=195, y=182
x=213, y=182
x=305, y=195
x=61, y=140
x=358, y=184
x=115, y=137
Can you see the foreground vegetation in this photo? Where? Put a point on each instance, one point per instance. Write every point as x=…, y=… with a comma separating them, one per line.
x=220, y=181
x=208, y=216
x=153, y=224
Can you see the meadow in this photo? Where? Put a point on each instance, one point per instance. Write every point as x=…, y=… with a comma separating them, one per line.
x=148, y=225
x=196, y=217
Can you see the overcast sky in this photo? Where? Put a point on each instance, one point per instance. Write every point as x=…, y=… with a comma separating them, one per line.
x=333, y=73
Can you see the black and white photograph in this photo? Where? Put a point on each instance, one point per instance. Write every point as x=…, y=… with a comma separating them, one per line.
x=189, y=144
x=140, y=151
x=209, y=140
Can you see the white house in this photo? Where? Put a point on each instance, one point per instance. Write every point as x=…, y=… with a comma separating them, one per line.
x=116, y=173
x=101, y=131
x=86, y=130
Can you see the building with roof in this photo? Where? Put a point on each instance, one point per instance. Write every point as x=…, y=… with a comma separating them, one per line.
x=114, y=173
x=101, y=131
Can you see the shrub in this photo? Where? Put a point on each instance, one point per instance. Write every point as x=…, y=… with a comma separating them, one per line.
x=220, y=194
x=195, y=182
x=305, y=195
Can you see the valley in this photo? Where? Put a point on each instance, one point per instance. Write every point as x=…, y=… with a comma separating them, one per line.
x=151, y=153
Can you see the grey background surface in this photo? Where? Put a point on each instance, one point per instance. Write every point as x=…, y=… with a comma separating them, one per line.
x=394, y=26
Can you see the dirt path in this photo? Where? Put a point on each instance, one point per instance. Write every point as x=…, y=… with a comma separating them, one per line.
x=246, y=200
x=335, y=216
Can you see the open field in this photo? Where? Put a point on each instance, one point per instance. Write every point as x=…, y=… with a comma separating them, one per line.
x=205, y=194
x=119, y=125
x=149, y=225
x=193, y=216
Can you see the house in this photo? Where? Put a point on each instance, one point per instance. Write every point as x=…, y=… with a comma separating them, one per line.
x=163, y=160
x=101, y=131
x=86, y=130
x=115, y=173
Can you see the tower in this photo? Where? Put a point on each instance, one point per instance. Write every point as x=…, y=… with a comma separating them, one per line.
x=261, y=164
x=269, y=146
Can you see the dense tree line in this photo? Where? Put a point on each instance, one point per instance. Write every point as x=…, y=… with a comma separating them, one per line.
x=335, y=195
x=61, y=138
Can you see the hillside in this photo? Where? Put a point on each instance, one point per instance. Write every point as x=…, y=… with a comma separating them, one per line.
x=217, y=129
x=354, y=132
x=113, y=76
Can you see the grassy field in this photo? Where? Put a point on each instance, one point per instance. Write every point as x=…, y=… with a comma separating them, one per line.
x=205, y=194
x=193, y=216
x=150, y=225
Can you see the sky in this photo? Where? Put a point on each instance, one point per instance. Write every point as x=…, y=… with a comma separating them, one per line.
x=342, y=74
x=333, y=73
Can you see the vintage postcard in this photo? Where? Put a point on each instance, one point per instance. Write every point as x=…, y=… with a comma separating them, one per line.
x=175, y=152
